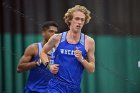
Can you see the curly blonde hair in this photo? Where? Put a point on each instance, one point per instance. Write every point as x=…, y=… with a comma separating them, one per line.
x=68, y=15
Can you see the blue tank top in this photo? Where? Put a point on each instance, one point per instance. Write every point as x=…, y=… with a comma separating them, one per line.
x=70, y=69
x=38, y=77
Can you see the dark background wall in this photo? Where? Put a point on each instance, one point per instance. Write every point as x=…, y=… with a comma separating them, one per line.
x=114, y=27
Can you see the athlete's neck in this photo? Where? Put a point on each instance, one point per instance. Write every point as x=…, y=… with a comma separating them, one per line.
x=44, y=42
x=74, y=35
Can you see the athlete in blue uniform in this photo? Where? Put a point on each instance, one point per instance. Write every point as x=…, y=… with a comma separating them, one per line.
x=39, y=76
x=74, y=52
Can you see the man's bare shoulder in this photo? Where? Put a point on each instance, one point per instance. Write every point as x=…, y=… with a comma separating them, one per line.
x=32, y=49
x=89, y=39
x=33, y=46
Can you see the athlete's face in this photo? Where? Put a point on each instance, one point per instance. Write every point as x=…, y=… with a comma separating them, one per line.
x=77, y=22
x=49, y=32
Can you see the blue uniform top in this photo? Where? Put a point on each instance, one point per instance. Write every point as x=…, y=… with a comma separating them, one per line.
x=38, y=77
x=70, y=69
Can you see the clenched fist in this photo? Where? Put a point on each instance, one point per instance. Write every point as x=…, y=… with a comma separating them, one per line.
x=78, y=54
x=54, y=68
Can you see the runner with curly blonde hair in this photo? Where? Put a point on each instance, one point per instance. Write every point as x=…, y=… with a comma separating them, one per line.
x=74, y=53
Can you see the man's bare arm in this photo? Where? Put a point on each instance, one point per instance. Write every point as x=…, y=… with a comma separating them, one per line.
x=24, y=63
x=47, y=47
x=88, y=64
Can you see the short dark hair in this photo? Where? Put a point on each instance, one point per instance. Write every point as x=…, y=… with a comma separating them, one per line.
x=47, y=24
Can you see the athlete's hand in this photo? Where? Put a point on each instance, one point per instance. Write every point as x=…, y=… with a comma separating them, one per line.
x=54, y=68
x=38, y=62
x=78, y=54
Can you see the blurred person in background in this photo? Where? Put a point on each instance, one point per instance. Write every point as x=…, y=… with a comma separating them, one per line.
x=30, y=61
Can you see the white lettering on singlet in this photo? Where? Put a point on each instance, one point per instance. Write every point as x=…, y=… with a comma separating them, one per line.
x=67, y=52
